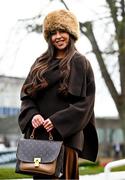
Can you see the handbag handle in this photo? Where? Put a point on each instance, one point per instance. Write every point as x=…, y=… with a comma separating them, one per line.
x=33, y=132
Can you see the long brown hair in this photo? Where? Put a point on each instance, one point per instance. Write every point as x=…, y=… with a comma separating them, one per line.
x=35, y=79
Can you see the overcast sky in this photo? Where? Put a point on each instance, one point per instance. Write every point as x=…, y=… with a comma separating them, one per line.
x=19, y=50
x=13, y=37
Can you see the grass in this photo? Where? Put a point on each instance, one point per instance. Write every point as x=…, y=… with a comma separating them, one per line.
x=90, y=170
x=84, y=169
x=87, y=167
x=122, y=168
x=9, y=173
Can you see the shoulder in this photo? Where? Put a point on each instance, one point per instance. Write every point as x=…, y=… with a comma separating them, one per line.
x=78, y=58
x=81, y=61
x=82, y=64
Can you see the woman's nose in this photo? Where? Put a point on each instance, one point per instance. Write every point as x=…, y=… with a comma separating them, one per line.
x=58, y=34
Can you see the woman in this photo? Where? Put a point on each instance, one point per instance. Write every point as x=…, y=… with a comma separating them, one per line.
x=58, y=94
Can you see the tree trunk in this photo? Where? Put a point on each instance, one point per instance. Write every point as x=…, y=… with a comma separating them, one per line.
x=121, y=110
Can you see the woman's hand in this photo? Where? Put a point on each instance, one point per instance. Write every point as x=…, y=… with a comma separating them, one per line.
x=37, y=121
x=48, y=125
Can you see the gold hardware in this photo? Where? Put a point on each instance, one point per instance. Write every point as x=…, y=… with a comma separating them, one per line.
x=37, y=161
x=50, y=136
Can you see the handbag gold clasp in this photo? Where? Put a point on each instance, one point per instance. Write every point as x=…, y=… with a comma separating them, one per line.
x=37, y=161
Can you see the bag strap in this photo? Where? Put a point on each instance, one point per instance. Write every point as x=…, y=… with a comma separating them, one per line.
x=33, y=132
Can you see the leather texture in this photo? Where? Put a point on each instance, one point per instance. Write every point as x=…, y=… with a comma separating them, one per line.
x=48, y=169
x=49, y=152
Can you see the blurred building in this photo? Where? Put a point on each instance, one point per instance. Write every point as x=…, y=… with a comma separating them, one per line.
x=109, y=130
x=9, y=108
x=9, y=95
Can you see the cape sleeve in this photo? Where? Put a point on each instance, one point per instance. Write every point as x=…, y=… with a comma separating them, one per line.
x=27, y=110
x=81, y=84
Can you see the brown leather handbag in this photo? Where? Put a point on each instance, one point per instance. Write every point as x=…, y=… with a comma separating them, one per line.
x=40, y=156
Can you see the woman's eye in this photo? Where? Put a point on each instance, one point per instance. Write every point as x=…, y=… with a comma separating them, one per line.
x=53, y=32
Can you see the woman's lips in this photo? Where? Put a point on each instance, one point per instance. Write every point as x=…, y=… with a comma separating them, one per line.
x=60, y=43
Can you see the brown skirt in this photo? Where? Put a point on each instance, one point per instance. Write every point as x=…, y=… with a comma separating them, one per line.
x=71, y=170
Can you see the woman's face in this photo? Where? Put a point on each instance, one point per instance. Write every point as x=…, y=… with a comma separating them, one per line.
x=60, y=39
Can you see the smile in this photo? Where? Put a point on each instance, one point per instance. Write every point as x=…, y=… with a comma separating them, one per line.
x=59, y=43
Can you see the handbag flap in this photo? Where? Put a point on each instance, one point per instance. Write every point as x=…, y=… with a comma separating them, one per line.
x=46, y=150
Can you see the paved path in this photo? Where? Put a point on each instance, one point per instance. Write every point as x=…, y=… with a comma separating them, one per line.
x=101, y=176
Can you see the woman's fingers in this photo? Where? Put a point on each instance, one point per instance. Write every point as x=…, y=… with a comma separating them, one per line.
x=37, y=121
x=49, y=128
x=34, y=124
x=48, y=125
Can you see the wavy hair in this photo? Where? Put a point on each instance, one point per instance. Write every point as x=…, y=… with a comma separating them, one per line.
x=36, y=80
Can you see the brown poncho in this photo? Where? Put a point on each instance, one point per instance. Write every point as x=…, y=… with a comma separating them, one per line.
x=73, y=115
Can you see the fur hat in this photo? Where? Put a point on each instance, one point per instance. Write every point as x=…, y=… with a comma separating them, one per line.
x=61, y=19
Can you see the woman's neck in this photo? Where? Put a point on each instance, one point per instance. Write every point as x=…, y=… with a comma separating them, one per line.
x=60, y=55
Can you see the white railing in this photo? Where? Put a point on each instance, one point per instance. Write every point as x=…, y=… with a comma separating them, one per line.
x=111, y=165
